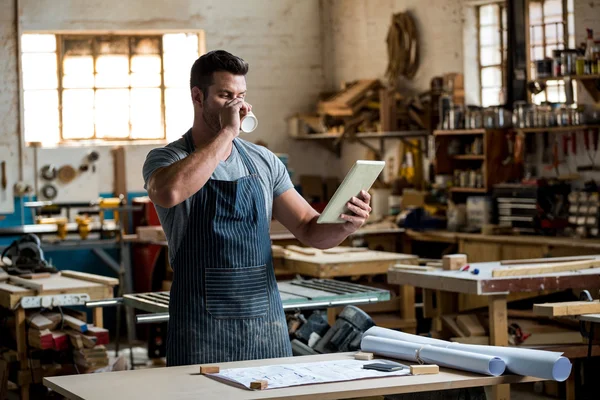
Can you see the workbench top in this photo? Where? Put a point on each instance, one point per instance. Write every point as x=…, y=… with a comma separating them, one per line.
x=485, y=284
x=453, y=237
x=177, y=383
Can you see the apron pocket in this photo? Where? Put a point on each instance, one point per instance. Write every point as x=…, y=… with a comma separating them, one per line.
x=236, y=293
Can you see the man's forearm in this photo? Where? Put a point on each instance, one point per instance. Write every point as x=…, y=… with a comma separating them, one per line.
x=325, y=236
x=172, y=185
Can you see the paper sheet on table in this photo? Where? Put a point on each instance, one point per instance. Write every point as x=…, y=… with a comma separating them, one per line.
x=466, y=361
x=279, y=376
x=521, y=361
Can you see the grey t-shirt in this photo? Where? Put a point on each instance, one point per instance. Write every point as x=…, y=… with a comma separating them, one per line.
x=274, y=180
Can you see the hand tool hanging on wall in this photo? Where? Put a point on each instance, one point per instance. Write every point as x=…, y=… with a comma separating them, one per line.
x=4, y=180
x=510, y=143
x=565, y=149
x=402, y=47
x=555, y=161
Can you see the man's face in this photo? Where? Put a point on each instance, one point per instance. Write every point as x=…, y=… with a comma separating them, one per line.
x=226, y=87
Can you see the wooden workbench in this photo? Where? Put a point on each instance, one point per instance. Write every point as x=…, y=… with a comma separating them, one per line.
x=483, y=248
x=366, y=263
x=186, y=383
x=97, y=287
x=495, y=289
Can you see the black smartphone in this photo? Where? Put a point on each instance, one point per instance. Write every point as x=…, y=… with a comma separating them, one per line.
x=383, y=367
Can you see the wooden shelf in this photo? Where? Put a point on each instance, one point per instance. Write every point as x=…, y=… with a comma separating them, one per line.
x=589, y=82
x=469, y=157
x=468, y=190
x=364, y=135
x=574, y=77
x=557, y=129
x=459, y=132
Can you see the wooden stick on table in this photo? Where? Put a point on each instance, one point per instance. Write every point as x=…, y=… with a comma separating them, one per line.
x=546, y=268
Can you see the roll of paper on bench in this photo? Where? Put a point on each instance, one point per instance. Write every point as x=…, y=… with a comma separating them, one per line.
x=249, y=122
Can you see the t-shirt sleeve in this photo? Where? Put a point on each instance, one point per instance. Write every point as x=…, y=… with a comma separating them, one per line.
x=157, y=158
x=281, y=178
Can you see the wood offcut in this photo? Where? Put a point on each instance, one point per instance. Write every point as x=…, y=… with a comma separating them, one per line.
x=546, y=268
x=209, y=369
x=567, y=308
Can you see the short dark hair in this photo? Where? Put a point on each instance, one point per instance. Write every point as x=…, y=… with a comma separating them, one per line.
x=217, y=60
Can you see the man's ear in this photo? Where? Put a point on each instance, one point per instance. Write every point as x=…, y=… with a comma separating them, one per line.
x=197, y=96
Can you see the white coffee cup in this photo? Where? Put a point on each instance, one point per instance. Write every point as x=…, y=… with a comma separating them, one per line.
x=249, y=122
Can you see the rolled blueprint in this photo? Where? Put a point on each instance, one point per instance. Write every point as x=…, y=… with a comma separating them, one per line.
x=521, y=361
x=451, y=358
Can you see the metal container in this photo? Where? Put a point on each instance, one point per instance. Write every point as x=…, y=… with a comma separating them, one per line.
x=569, y=61
x=543, y=68
x=557, y=62
x=519, y=112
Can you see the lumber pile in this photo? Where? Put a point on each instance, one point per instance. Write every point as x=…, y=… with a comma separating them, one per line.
x=474, y=329
x=365, y=105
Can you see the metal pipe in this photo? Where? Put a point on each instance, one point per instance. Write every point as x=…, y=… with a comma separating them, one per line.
x=21, y=119
x=152, y=318
x=104, y=303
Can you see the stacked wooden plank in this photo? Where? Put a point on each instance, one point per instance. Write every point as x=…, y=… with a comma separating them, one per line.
x=69, y=331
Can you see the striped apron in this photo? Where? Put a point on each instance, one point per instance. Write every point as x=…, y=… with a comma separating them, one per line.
x=225, y=305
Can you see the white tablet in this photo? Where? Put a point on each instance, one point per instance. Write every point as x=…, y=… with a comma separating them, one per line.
x=361, y=177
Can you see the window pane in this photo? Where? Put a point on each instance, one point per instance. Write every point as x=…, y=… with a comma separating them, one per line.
x=78, y=114
x=504, y=18
x=112, y=113
x=554, y=33
x=571, y=24
x=552, y=8
x=77, y=47
x=145, y=45
x=146, y=118
x=536, y=35
x=145, y=80
x=490, y=97
x=539, y=98
x=181, y=43
x=41, y=116
x=146, y=63
x=112, y=71
x=78, y=72
x=535, y=13
x=489, y=36
x=490, y=56
x=39, y=71
x=537, y=53
x=112, y=45
x=488, y=15
x=33, y=43
x=491, y=77
x=179, y=112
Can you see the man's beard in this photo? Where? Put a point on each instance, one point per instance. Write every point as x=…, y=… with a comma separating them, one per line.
x=212, y=120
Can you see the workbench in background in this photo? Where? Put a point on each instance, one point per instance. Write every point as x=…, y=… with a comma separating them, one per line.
x=493, y=290
x=49, y=289
x=186, y=383
x=399, y=313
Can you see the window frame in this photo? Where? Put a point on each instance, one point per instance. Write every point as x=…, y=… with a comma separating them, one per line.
x=60, y=37
x=502, y=45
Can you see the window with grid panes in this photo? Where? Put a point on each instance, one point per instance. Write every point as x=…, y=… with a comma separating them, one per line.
x=101, y=87
x=491, y=23
x=551, y=24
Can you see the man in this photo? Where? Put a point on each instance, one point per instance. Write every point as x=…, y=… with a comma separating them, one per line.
x=215, y=194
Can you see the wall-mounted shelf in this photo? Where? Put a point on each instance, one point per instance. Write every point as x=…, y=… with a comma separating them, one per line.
x=469, y=157
x=558, y=129
x=333, y=141
x=496, y=163
x=589, y=82
x=456, y=189
x=459, y=132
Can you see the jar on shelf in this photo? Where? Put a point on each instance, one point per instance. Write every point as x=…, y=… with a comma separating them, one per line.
x=557, y=62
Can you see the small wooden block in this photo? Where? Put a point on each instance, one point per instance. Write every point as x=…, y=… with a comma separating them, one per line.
x=363, y=356
x=452, y=262
x=424, y=369
x=259, y=385
x=209, y=369
x=39, y=275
